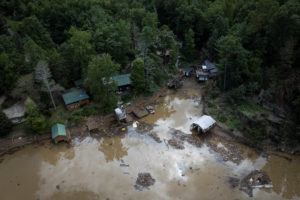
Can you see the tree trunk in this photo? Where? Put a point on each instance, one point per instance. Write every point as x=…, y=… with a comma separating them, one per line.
x=50, y=93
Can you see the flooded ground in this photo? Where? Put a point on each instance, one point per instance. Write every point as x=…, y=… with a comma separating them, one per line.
x=108, y=168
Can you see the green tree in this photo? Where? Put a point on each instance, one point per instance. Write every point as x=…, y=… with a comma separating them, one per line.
x=166, y=41
x=43, y=76
x=138, y=75
x=114, y=38
x=35, y=121
x=77, y=52
x=8, y=75
x=189, y=44
x=33, y=28
x=241, y=65
x=33, y=53
x=100, y=83
x=5, y=124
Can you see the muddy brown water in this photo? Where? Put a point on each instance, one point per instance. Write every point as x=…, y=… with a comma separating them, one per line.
x=107, y=168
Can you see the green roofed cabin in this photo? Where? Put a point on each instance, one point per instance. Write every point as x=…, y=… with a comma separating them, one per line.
x=123, y=81
x=59, y=133
x=75, y=98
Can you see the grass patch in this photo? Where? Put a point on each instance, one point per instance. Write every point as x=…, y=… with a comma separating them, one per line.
x=250, y=109
x=59, y=115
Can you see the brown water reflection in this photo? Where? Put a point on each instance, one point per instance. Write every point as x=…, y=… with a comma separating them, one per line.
x=112, y=148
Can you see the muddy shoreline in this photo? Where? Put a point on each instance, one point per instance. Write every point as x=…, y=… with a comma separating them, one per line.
x=112, y=128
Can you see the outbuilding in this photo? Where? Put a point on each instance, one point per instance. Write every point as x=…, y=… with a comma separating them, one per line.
x=59, y=133
x=123, y=81
x=203, y=124
x=75, y=98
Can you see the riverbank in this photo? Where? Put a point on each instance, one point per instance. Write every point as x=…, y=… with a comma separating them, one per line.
x=248, y=123
x=108, y=125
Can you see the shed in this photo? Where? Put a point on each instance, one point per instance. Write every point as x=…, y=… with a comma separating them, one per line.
x=16, y=113
x=123, y=81
x=59, y=133
x=75, y=98
x=203, y=124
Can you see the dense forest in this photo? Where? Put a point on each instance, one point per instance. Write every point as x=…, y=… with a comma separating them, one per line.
x=255, y=44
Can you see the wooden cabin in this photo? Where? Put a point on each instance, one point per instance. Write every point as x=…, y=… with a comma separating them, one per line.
x=123, y=81
x=59, y=133
x=75, y=98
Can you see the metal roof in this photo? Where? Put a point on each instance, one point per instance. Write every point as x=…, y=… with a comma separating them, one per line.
x=122, y=80
x=75, y=95
x=15, y=111
x=209, y=65
x=58, y=130
x=205, y=122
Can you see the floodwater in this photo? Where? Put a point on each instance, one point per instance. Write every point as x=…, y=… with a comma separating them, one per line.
x=107, y=168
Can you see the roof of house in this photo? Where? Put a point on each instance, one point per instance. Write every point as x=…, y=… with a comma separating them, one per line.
x=122, y=80
x=209, y=65
x=75, y=95
x=205, y=122
x=17, y=110
x=58, y=130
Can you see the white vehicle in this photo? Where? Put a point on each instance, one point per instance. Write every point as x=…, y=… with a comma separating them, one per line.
x=121, y=115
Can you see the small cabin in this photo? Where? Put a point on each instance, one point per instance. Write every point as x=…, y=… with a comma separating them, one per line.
x=75, y=98
x=59, y=133
x=203, y=124
x=123, y=81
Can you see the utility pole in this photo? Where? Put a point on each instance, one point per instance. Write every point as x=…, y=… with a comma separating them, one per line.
x=225, y=66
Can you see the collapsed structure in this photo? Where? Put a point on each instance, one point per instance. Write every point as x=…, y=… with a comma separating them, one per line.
x=203, y=124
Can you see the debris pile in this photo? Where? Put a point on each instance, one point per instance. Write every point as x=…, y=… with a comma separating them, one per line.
x=144, y=180
x=256, y=179
x=228, y=153
x=177, y=144
x=155, y=137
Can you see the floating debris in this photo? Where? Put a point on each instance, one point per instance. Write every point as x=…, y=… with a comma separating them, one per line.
x=155, y=137
x=177, y=144
x=143, y=181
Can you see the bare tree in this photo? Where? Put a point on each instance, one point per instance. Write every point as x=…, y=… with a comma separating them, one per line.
x=43, y=76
